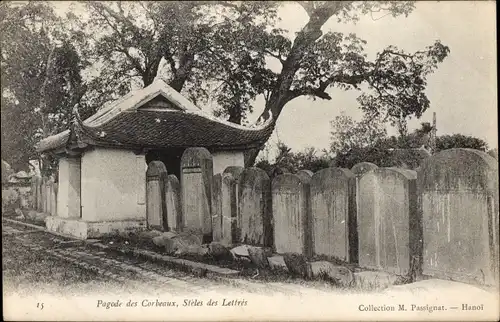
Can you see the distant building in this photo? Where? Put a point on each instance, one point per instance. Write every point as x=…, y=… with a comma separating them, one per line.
x=103, y=160
x=20, y=177
x=6, y=172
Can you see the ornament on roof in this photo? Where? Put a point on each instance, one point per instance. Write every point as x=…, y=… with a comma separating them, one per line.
x=76, y=128
x=261, y=122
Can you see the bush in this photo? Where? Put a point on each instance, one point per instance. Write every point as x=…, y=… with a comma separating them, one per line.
x=288, y=161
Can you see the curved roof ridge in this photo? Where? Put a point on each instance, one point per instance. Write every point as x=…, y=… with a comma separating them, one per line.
x=111, y=125
x=135, y=99
x=254, y=127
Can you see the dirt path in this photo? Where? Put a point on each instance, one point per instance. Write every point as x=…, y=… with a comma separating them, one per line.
x=37, y=260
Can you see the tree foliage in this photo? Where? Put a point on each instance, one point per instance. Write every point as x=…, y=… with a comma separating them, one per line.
x=406, y=151
x=40, y=79
x=195, y=45
x=347, y=133
x=213, y=52
x=288, y=161
x=445, y=142
x=221, y=48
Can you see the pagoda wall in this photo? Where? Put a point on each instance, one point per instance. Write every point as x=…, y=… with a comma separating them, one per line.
x=68, y=196
x=113, y=185
x=224, y=159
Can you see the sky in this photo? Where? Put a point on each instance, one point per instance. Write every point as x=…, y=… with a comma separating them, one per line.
x=462, y=92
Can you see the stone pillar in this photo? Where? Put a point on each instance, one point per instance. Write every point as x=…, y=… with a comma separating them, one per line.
x=53, y=198
x=155, y=196
x=69, y=188
x=359, y=169
x=333, y=211
x=48, y=195
x=292, y=215
x=217, y=204
x=173, y=201
x=458, y=192
x=224, y=209
x=23, y=198
x=229, y=209
x=235, y=172
x=387, y=220
x=254, y=203
x=196, y=185
x=140, y=179
x=33, y=193
x=230, y=202
x=38, y=182
x=45, y=190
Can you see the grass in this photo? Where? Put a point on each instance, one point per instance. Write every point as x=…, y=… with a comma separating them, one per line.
x=11, y=214
x=125, y=243
x=25, y=270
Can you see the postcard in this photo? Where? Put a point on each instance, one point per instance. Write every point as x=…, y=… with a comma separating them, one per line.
x=249, y=161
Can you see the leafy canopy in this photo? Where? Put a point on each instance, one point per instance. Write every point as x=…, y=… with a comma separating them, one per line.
x=40, y=75
x=216, y=53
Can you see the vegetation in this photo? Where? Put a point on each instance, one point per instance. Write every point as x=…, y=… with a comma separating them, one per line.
x=288, y=161
x=210, y=51
x=371, y=144
x=367, y=141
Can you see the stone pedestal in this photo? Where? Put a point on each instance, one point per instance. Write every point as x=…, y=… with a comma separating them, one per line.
x=103, y=193
x=85, y=230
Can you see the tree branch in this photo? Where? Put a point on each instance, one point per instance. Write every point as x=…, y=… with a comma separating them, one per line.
x=320, y=91
x=186, y=63
x=308, y=6
x=277, y=56
x=151, y=16
x=117, y=16
x=133, y=60
x=168, y=57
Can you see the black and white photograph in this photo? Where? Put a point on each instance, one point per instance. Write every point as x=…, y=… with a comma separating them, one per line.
x=249, y=161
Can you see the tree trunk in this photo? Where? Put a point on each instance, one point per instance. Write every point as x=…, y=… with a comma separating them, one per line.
x=182, y=74
x=235, y=114
x=148, y=77
x=305, y=38
x=235, y=118
x=178, y=83
x=282, y=94
x=276, y=111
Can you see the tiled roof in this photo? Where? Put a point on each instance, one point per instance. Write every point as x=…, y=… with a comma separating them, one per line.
x=128, y=126
x=53, y=142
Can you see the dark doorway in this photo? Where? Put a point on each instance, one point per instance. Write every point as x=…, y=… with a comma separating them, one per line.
x=171, y=157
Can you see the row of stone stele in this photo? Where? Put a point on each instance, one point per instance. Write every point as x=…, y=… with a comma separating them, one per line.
x=261, y=257
x=449, y=170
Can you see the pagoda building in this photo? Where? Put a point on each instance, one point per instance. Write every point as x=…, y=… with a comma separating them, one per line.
x=103, y=159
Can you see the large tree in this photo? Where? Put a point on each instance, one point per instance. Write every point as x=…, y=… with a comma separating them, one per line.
x=195, y=45
x=221, y=48
x=219, y=51
x=41, y=79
